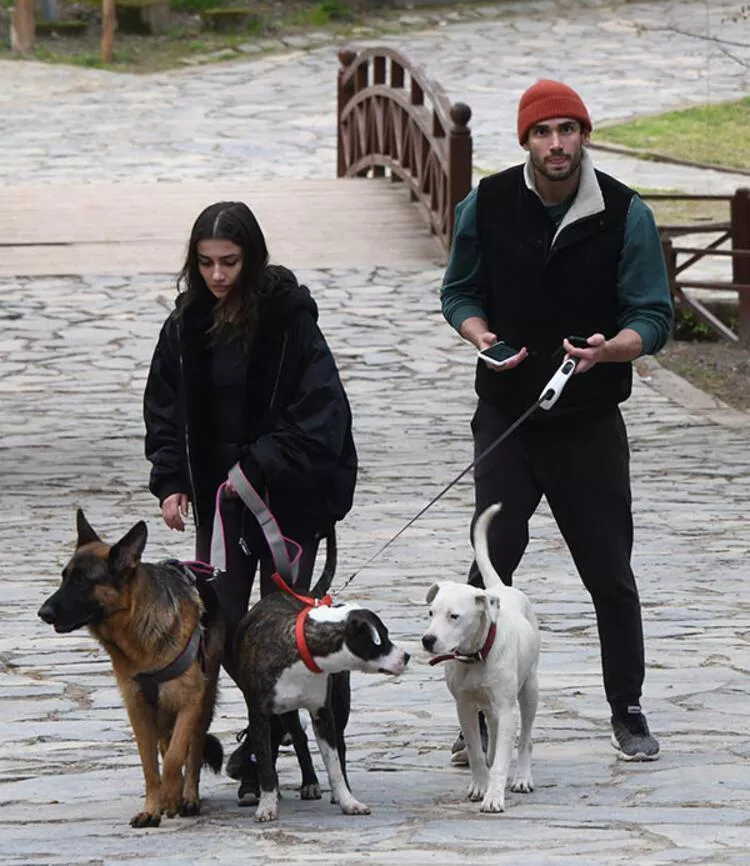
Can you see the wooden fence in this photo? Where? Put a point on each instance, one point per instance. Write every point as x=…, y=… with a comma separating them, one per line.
x=734, y=231
x=392, y=119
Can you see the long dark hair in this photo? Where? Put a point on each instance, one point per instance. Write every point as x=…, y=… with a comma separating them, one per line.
x=237, y=314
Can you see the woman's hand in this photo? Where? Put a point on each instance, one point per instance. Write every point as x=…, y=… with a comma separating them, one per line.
x=174, y=509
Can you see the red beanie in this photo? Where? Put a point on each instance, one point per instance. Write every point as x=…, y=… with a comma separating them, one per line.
x=547, y=99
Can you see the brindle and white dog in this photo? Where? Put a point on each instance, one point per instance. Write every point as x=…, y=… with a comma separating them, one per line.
x=275, y=680
x=489, y=641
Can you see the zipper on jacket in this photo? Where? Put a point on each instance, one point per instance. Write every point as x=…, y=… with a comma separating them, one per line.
x=278, y=372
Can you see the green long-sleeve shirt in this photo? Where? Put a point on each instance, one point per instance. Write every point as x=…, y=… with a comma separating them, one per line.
x=642, y=283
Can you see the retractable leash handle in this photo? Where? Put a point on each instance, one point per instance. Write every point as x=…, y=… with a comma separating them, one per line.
x=554, y=388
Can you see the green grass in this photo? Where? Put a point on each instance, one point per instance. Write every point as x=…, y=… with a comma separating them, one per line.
x=711, y=134
x=186, y=38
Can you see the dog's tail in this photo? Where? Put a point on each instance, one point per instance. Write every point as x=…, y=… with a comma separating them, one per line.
x=481, y=548
x=329, y=566
x=213, y=753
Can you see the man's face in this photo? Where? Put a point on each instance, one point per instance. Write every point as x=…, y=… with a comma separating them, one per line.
x=556, y=147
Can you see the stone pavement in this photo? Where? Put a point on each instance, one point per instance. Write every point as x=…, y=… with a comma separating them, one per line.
x=73, y=358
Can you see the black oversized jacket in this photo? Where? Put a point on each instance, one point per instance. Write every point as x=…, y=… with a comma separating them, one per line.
x=296, y=444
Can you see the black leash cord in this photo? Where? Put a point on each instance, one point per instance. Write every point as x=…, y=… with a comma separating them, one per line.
x=500, y=438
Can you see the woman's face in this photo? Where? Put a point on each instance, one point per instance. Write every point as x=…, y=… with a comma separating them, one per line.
x=220, y=263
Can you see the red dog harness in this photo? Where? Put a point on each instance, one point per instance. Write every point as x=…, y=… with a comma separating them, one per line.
x=299, y=625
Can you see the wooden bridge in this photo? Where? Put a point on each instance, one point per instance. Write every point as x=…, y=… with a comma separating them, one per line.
x=123, y=228
x=404, y=162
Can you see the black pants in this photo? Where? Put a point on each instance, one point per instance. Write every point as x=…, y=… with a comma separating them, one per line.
x=236, y=584
x=581, y=466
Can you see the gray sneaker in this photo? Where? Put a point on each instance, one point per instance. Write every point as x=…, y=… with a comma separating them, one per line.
x=459, y=754
x=632, y=738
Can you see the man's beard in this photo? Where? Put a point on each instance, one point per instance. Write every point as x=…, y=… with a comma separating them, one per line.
x=575, y=161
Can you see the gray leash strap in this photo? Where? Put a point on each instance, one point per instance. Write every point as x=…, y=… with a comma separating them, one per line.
x=268, y=525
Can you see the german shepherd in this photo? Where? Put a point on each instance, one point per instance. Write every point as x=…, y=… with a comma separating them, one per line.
x=165, y=644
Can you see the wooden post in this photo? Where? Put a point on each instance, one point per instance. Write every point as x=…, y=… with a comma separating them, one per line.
x=109, y=24
x=459, y=163
x=740, y=211
x=22, y=26
x=378, y=77
x=670, y=261
x=344, y=93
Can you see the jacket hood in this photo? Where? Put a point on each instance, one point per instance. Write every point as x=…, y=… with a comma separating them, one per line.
x=285, y=297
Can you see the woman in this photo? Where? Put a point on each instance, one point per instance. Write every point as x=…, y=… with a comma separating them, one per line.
x=241, y=372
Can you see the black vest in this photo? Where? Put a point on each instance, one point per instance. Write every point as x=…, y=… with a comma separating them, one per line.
x=536, y=294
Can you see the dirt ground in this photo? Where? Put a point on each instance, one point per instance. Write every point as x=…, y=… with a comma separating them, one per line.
x=721, y=369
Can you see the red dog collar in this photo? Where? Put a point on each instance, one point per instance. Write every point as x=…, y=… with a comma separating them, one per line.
x=479, y=656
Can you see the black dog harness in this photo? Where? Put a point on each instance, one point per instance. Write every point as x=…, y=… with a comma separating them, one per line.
x=149, y=681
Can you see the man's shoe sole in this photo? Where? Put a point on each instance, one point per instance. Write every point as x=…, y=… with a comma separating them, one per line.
x=638, y=756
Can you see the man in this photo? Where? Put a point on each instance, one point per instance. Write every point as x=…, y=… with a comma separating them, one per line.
x=544, y=251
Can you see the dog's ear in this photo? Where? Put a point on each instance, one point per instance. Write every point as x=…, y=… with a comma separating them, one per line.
x=367, y=625
x=432, y=592
x=489, y=604
x=125, y=556
x=86, y=534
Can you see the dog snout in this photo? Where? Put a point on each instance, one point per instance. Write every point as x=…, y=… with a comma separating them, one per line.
x=428, y=642
x=47, y=613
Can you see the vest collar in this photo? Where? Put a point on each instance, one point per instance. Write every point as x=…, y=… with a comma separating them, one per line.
x=588, y=201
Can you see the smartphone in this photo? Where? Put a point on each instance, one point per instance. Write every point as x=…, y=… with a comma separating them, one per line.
x=498, y=354
x=579, y=342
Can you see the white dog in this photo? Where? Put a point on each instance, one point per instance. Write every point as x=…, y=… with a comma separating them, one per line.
x=489, y=641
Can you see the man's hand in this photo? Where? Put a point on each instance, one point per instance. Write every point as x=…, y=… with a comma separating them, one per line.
x=174, y=509
x=475, y=331
x=626, y=345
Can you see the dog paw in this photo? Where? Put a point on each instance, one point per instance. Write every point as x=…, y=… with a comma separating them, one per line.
x=190, y=808
x=145, y=819
x=310, y=792
x=268, y=808
x=476, y=792
x=493, y=803
x=354, y=807
x=522, y=786
x=172, y=806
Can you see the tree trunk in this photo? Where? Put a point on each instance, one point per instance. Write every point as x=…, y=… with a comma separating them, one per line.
x=22, y=26
x=109, y=23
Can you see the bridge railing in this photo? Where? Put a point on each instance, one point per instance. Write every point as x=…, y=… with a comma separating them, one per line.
x=393, y=120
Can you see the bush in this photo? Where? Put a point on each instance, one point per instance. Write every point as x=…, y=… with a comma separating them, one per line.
x=691, y=328
x=229, y=19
